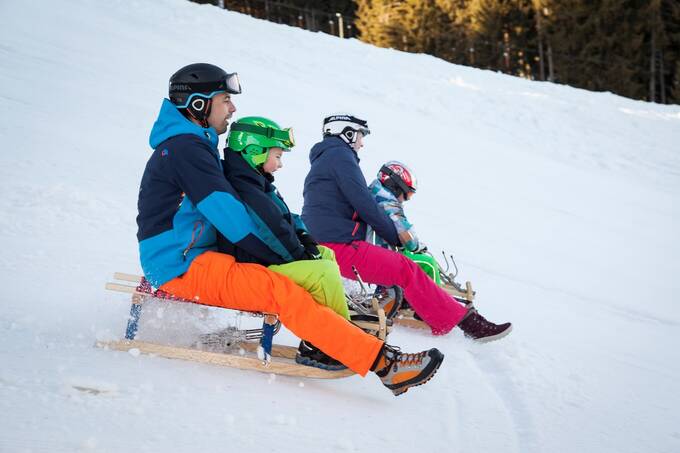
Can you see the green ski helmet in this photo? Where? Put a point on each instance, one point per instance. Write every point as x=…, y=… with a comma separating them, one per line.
x=253, y=136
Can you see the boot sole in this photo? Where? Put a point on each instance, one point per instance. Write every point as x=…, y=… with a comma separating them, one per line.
x=402, y=390
x=316, y=364
x=498, y=336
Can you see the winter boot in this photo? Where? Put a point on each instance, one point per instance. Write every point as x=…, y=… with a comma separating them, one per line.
x=475, y=326
x=390, y=299
x=399, y=371
x=310, y=355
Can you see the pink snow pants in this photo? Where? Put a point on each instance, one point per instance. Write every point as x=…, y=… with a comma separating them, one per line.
x=381, y=266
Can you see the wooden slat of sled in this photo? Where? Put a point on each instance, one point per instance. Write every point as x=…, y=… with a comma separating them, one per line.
x=277, y=366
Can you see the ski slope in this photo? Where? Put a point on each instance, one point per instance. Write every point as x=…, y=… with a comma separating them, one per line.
x=560, y=205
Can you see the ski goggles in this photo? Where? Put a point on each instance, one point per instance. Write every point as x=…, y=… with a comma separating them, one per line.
x=231, y=84
x=285, y=136
x=397, y=180
x=228, y=84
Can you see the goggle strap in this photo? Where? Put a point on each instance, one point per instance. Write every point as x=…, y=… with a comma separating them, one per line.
x=269, y=132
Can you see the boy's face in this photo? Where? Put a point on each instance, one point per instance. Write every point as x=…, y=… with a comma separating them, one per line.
x=406, y=197
x=274, y=160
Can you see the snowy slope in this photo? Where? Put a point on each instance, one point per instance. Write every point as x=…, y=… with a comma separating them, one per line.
x=560, y=205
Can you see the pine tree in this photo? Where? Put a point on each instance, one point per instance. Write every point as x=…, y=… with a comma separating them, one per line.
x=503, y=33
x=426, y=26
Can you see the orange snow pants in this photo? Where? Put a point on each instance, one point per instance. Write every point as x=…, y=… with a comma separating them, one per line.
x=217, y=279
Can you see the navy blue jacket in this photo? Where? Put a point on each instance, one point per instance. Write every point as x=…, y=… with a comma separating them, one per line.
x=337, y=202
x=267, y=207
x=184, y=199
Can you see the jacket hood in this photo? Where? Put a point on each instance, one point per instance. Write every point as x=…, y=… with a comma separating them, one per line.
x=329, y=143
x=171, y=122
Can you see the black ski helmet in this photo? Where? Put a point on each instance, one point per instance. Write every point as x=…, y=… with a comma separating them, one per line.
x=193, y=86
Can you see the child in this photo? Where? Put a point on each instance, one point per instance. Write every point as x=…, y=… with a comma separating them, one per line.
x=395, y=184
x=250, y=161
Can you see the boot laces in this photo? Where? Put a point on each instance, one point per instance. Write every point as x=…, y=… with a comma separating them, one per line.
x=394, y=354
x=412, y=359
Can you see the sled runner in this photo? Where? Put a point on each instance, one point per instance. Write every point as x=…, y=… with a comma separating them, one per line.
x=250, y=349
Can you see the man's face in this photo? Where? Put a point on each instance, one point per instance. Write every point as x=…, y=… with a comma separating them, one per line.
x=359, y=143
x=220, y=112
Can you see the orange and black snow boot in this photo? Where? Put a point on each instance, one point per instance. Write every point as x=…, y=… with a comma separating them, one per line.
x=400, y=371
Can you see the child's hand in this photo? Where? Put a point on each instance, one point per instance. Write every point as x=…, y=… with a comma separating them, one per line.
x=310, y=245
x=422, y=248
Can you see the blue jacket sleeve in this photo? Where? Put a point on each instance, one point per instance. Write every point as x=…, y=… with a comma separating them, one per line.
x=198, y=173
x=352, y=184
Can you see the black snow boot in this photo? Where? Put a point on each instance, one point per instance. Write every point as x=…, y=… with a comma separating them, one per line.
x=310, y=355
x=475, y=326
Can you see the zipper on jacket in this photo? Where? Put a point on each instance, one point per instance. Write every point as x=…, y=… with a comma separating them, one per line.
x=355, y=216
x=194, y=238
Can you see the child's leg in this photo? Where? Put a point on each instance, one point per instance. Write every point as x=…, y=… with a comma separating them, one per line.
x=427, y=263
x=321, y=278
x=385, y=267
x=216, y=279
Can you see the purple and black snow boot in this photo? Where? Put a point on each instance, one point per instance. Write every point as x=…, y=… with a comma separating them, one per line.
x=475, y=326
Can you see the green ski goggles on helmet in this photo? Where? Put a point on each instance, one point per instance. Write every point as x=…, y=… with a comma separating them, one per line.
x=285, y=136
x=254, y=136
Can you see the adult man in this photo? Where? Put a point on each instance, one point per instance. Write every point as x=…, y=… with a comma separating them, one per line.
x=184, y=199
x=337, y=209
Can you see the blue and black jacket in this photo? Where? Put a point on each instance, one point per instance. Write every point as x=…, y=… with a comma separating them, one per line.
x=337, y=203
x=267, y=207
x=184, y=199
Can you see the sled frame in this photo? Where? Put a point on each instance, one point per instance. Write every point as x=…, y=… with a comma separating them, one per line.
x=280, y=360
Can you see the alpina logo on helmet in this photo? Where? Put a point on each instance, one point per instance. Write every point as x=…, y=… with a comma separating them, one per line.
x=179, y=87
x=338, y=118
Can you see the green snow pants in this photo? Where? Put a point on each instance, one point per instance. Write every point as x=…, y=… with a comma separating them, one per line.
x=426, y=263
x=321, y=278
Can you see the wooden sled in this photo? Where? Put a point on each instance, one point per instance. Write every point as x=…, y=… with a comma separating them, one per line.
x=246, y=355
x=457, y=291
x=405, y=318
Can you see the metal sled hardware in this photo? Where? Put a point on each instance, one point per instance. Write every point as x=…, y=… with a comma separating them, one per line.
x=449, y=278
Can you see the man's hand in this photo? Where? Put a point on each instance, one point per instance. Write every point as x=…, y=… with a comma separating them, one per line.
x=311, y=246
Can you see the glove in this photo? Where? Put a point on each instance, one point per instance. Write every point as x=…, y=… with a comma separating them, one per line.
x=422, y=248
x=311, y=246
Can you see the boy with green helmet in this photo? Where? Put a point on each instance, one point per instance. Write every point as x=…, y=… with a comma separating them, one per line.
x=254, y=149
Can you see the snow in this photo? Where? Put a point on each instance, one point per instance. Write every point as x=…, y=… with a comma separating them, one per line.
x=559, y=204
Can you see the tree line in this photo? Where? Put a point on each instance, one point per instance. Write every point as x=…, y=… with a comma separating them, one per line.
x=629, y=47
